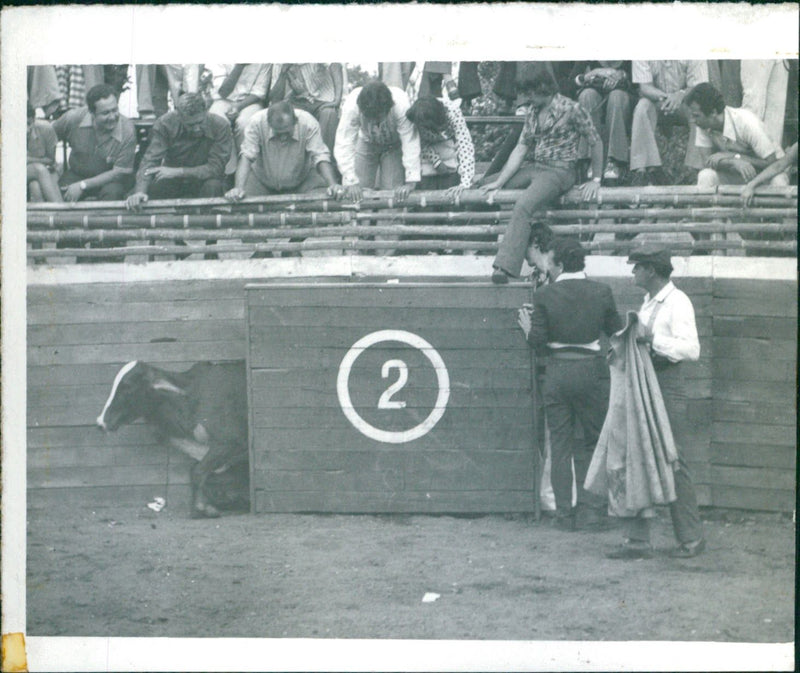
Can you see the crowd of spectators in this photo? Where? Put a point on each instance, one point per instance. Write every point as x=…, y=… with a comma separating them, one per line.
x=249, y=129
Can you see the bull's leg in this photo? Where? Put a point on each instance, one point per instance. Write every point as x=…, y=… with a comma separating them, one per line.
x=214, y=459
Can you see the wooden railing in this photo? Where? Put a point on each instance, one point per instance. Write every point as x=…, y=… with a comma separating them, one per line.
x=696, y=220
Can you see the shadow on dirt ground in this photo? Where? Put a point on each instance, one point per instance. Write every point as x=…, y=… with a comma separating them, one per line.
x=135, y=572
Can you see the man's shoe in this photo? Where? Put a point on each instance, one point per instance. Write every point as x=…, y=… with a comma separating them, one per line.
x=591, y=519
x=564, y=523
x=500, y=277
x=688, y=549
x=629, y=551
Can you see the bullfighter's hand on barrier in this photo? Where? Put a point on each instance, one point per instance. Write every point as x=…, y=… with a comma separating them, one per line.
x=524, y=318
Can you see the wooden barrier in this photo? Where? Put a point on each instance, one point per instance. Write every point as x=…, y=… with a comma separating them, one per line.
x=390, y=398
x=83, y=327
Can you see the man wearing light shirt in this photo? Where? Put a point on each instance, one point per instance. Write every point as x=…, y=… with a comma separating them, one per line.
x=374, y=134
x=733, y=141
x=282, y=153
x=667, y=325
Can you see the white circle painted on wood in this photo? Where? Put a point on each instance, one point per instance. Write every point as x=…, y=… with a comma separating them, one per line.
x=343, y=386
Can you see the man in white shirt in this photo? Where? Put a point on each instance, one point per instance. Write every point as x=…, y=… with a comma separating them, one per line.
x=733, y=142
x=374, y=133
x=667, y=325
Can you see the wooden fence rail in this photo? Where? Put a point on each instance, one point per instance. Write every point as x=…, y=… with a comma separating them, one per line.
x=776, y=197
x=164, y=233
x=186, y=221
x=427, y=223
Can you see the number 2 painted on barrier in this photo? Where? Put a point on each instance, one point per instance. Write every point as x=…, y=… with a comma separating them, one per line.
x=386, y=401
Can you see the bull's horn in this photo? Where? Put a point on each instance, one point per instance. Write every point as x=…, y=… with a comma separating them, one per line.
x=167, y=386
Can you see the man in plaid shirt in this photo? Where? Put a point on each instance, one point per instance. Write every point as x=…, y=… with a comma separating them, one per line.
x=553, y=126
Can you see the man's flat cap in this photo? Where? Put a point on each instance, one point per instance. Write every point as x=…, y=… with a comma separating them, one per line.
x=652, y=254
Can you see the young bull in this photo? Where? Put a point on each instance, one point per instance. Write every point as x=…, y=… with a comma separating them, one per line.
x=202, y=412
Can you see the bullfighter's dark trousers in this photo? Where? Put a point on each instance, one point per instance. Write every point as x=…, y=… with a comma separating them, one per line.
x=575, y=392
x=684, y=512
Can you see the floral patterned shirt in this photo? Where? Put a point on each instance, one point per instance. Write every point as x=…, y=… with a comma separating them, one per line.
x=556, y=138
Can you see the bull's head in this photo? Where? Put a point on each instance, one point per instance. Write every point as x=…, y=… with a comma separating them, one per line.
x=132, y=394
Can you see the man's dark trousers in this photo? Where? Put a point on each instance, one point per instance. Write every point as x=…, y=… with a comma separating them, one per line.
x=575, y=392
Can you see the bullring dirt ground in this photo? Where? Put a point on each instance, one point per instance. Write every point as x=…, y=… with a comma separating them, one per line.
x=127, y=571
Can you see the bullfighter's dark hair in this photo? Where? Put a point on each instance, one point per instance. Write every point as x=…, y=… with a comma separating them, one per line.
x=375, y=100
x=99, y=92
x=707, y=98
x=280, y=111
x=428, y=112
x=541, y=236
x=569, y=253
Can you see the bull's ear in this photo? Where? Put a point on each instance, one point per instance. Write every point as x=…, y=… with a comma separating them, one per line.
x=166, y=386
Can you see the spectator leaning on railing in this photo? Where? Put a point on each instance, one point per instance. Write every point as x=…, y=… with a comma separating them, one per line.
x=732, y=141
x=283, y=152
x=779, y=166
x=374, y=133
x=186, y=156
x=448, y=155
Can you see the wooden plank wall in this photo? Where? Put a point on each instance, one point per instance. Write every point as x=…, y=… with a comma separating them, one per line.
x=80, y=334
x=307, y=456
x=78, y=338
x=754, y=432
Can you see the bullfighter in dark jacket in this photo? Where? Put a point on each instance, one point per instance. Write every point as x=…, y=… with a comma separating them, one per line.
x=564, y=327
